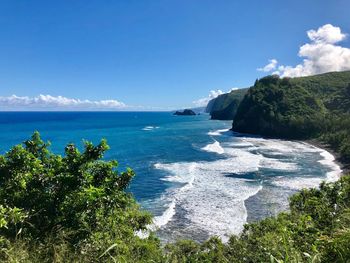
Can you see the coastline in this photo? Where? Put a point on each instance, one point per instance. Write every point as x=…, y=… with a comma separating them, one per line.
x=345, y=167
x=177, y=199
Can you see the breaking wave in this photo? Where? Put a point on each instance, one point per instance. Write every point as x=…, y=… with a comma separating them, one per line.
x=150, y=128
x=214, y=147
x=211, y=195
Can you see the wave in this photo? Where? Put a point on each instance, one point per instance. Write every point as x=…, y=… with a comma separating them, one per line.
x=306, y=181
x=220, y=132
x=150, y=128
x=163, y=219
x=212, y=201
x=208, y=199
x=214, y=147
x=278, y=146
x=158, y=221
x=186, y=179
x=329, y=160
x=271, y=163
x=297, y=183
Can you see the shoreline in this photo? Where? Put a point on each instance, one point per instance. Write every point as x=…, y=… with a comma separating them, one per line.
x=345, y=167
x=168, y=214
x=344, y=170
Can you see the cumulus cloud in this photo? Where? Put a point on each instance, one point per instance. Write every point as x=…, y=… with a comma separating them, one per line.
x=204, y=101
x=269, y=67
x=321, y=55
x=326, y=34
x=48, y=102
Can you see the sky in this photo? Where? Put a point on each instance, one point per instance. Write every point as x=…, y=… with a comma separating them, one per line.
x=160, y=54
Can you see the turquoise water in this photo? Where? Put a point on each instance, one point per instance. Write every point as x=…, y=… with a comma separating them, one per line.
x=194, y=175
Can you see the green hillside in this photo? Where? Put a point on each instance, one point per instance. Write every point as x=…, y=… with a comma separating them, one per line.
x=324, y=84
x=299, y=108
x=224, y=107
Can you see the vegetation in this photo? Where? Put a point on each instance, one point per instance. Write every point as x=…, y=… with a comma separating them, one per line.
x=70, y=208
x=324, y=85
x=336, y=130
x=337, y=135
x=299, y=108
x=75, y=209
x=224, y=107
x=275, y=107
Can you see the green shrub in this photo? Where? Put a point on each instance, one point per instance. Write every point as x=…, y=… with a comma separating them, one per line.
x=78, y=197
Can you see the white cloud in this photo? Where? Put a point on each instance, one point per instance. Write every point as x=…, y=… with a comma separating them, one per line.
x=269, y=67
x=48, y=102
x=204, y=101
x=320, y=55
x=326, y=34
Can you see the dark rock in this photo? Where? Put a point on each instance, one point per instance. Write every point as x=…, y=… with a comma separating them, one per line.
x=186, y=112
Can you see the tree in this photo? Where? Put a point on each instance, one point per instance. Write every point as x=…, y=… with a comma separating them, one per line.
x=43, y=194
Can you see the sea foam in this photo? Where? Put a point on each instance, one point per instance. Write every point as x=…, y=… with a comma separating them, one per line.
x=329, y=160
x=150, y=128
x=213, y=201
x=163, y=219
x=220, y=132
x=214, y=147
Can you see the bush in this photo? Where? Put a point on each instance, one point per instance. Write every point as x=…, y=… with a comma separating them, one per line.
x=77, y=197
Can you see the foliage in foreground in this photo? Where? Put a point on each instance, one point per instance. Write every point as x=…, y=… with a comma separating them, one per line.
x=68, y=208
x=75, y=209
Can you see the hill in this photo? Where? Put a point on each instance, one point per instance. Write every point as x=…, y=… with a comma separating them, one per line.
x=224, y=106
x=299, y=108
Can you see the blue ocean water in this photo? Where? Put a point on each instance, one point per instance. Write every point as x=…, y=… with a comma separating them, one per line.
x=196, y=177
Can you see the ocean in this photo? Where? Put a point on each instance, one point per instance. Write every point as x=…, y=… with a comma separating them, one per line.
x=193, y=174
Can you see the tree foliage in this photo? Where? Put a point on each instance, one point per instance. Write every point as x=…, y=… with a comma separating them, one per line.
x=77, y=197
x=275, y=107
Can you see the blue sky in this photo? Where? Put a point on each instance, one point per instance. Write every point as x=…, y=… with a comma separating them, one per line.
x=151, y=54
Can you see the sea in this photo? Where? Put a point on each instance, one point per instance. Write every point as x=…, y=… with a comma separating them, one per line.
x=197, y=178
